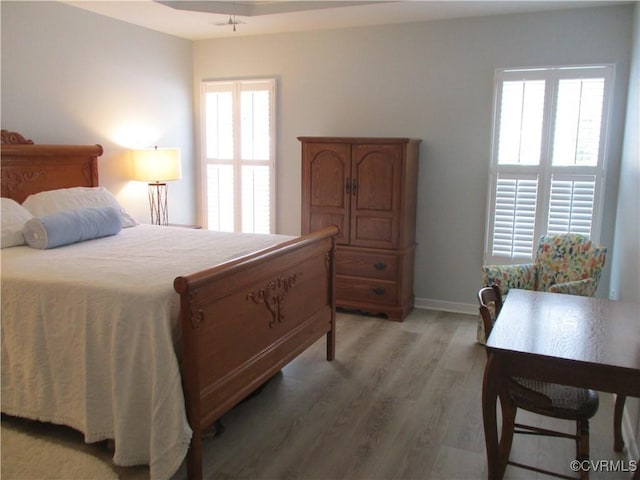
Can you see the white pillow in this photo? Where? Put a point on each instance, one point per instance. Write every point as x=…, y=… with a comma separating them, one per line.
x=13, y=217
x=54, y=201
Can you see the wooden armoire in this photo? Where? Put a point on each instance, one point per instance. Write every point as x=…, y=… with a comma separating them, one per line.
x=367, y=187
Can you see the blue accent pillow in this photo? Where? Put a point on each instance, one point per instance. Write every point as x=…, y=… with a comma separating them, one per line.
x=71, y=226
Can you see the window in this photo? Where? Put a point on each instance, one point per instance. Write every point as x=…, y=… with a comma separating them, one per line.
x=239, y=155
x=547, y=166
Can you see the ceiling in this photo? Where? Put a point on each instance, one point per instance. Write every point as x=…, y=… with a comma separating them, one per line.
x=200, y=19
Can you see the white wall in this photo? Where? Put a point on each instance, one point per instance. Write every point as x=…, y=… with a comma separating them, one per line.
x=625, y=263
x=625, y=276
x=432, y=81
x=70, y=76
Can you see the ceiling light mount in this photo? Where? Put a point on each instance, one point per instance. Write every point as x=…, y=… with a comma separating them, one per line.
x=232, y=21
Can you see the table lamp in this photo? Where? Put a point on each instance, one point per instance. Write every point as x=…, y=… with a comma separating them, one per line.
x=157, y=166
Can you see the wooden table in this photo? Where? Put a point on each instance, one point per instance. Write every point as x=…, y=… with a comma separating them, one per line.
x=567, y=339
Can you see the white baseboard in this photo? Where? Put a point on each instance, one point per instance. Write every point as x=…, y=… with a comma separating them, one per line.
x=428, y=304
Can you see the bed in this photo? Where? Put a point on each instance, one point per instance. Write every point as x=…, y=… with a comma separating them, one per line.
x=149, y=336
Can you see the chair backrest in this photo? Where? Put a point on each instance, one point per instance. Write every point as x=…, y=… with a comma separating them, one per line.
x=490, y=300
x=567, y=257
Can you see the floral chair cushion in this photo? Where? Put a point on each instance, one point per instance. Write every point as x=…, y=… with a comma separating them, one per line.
x=568, y=258
x=510, y=276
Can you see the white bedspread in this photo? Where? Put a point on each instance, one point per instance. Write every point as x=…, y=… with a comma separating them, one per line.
x=89, y=336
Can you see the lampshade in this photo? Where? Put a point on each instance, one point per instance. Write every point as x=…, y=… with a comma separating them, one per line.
x=157, y=164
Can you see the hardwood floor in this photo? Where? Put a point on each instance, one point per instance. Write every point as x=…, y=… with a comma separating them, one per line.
x=401, y=401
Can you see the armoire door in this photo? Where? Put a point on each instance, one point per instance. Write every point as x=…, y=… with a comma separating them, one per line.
x=326, y=200
x=375, y=195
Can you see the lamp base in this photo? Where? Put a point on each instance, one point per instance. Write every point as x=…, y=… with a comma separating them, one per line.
x=158, y=203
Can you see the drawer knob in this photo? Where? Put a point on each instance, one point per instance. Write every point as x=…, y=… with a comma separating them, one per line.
x=380, y=266
x=379, y=290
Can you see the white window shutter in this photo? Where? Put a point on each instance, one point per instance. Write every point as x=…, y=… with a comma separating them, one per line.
x=514, y=217
x=218, y=124
x=239, y=155
x=548, y=158
x=220, y=211
x=578, y=121
x=256, y=212
x=571, y=204
x=521, y=117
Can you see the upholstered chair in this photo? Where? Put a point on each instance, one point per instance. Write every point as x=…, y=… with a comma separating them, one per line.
x=564, y=263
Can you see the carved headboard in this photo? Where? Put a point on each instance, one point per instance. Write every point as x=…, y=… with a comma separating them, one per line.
x=27, y=168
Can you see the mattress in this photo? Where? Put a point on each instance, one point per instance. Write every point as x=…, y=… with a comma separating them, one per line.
x=90, y=336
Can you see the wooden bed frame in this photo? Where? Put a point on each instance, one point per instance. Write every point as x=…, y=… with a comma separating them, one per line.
x=241, y=321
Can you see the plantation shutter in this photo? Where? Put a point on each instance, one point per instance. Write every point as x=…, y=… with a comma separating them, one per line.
x=238, y=133
x=515, y=212
x=571, y=204
x=547, y=168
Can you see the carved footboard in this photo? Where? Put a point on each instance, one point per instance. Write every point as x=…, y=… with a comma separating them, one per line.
x=244, y=320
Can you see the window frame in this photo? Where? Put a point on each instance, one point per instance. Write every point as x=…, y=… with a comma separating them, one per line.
x=236, y=86
x=544, y=171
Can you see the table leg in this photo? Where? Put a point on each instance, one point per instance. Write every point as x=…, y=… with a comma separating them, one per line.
x=508, y=427
x=618, y=442
x=489, y=403
x=498, y=449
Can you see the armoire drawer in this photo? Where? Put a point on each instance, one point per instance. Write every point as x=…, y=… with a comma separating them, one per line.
x=370, y=265
x=365, y=290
